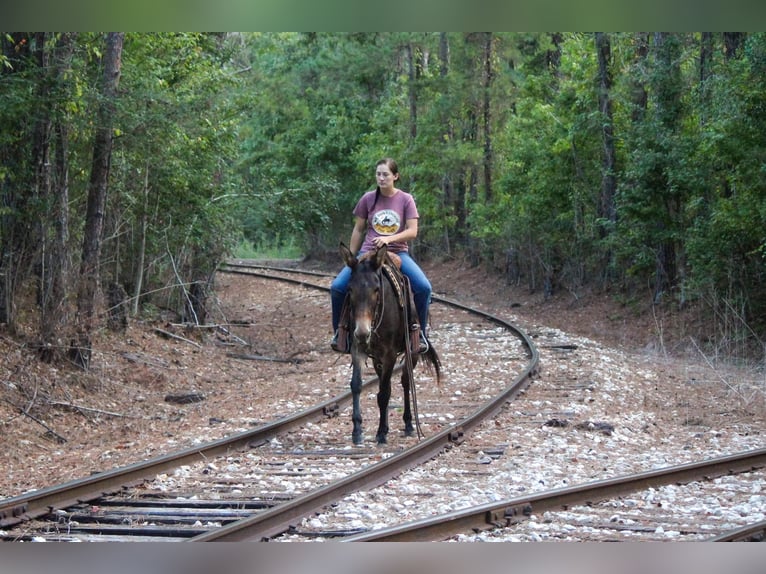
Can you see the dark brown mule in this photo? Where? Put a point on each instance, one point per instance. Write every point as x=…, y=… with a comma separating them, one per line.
x=378, y=330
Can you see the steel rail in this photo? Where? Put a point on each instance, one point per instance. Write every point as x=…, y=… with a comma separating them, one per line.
x=34, y=504
x=446, y=301
x=750, y=533
x=516, y=509
x=40, y=502
x=277, y=520
x=503, y=513
x=273, y=268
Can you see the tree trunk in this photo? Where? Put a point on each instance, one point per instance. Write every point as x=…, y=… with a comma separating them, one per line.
x=55, y=238
x=15, y=199
x=447, y=185
x=41, y=159
x=474, y=252
x=554, y=56
x=606, y=208
x=80, y=350
x=412, y=90
x=640, y=97
x=142, y=226
x=668, y=89
x=487, y=115
x=706, y=71
x=733, y=42
x=459, y=202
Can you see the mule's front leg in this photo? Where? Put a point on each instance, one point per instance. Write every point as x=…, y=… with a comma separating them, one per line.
x=356, y=389
x=384, y=396
x=409, y=430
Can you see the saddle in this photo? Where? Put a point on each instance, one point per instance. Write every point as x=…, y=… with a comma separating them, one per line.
x=392, y=259
x=401, y=284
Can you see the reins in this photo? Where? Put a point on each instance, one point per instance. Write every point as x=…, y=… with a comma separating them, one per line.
x=410, y=368
x=380, y=308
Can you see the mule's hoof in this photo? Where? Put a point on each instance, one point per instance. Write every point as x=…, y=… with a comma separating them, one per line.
x=382, y=440
x=357, y=440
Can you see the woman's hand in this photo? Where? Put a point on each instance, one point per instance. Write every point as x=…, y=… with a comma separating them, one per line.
x=380, y=241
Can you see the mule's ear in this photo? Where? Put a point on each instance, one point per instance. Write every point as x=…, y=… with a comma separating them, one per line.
x=380, y=256
x=346, y=255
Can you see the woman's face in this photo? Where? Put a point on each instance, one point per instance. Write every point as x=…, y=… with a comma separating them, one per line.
x=384, y=176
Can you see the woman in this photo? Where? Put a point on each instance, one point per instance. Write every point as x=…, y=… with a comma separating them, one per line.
x=385, y=216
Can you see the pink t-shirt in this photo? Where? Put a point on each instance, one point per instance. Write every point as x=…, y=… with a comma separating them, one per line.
x=387, y=216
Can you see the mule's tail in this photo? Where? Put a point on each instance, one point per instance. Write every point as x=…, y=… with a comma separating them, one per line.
x=433, y=362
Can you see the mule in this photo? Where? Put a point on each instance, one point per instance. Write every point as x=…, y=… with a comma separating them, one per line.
x=379, y=328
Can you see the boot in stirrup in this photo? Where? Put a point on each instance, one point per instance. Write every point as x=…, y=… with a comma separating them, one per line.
x=340, y=344
x=418, y=343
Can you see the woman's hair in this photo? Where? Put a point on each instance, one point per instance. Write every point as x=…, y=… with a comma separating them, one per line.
x=390, y=164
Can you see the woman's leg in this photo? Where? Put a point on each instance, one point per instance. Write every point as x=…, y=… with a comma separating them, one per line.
x=338, y=290
x=421, y=288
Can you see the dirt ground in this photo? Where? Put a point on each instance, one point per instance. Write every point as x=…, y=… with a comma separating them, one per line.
x=58, y=423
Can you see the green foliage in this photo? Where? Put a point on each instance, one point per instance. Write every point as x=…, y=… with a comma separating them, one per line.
x=726, y=243
x=276, y=248
x=179, y=126
x=226, y=141
x=311, y=102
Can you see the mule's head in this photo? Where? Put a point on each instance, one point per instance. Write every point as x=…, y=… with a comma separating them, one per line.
x=364, y=291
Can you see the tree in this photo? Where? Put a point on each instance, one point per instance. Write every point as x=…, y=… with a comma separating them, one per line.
x=90, y=273
x=170, y=218
x=606, y=208
x=610, y=159
x=20, y=74
x=653, y=204
x=54, y=277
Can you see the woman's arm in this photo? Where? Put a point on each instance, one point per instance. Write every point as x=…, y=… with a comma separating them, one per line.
x=357, y=234
x=410, y=232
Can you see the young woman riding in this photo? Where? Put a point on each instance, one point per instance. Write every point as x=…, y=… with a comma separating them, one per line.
x=385, y=216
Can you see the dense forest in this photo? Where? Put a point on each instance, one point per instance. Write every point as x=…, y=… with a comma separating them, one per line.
x=131, y=164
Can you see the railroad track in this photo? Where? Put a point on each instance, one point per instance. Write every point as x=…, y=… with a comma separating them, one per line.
x=278, y=480
x=134, y=502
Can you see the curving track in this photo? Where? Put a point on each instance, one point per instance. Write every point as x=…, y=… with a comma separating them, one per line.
x=283, y=480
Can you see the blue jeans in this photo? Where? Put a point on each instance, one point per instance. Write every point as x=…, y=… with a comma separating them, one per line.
x=421, y=290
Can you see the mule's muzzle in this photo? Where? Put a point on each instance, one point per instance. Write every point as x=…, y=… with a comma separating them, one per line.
x=363, y=331
x=363, y=336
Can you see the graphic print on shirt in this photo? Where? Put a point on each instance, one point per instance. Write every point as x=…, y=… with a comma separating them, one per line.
x=386, y=222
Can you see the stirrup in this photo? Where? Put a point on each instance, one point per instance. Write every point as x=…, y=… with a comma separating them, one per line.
x=335, y=347
x=423, y=344
x=418, y=343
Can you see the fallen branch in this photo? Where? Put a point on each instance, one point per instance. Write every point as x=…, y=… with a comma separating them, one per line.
x=173, y=336
x=248, y=357
x=88, y=409
x=185, y=398
x=60, y=439
x=231, y=335
x=212, y=326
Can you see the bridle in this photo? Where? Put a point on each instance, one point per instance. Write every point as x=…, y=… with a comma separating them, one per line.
x=380, y=307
